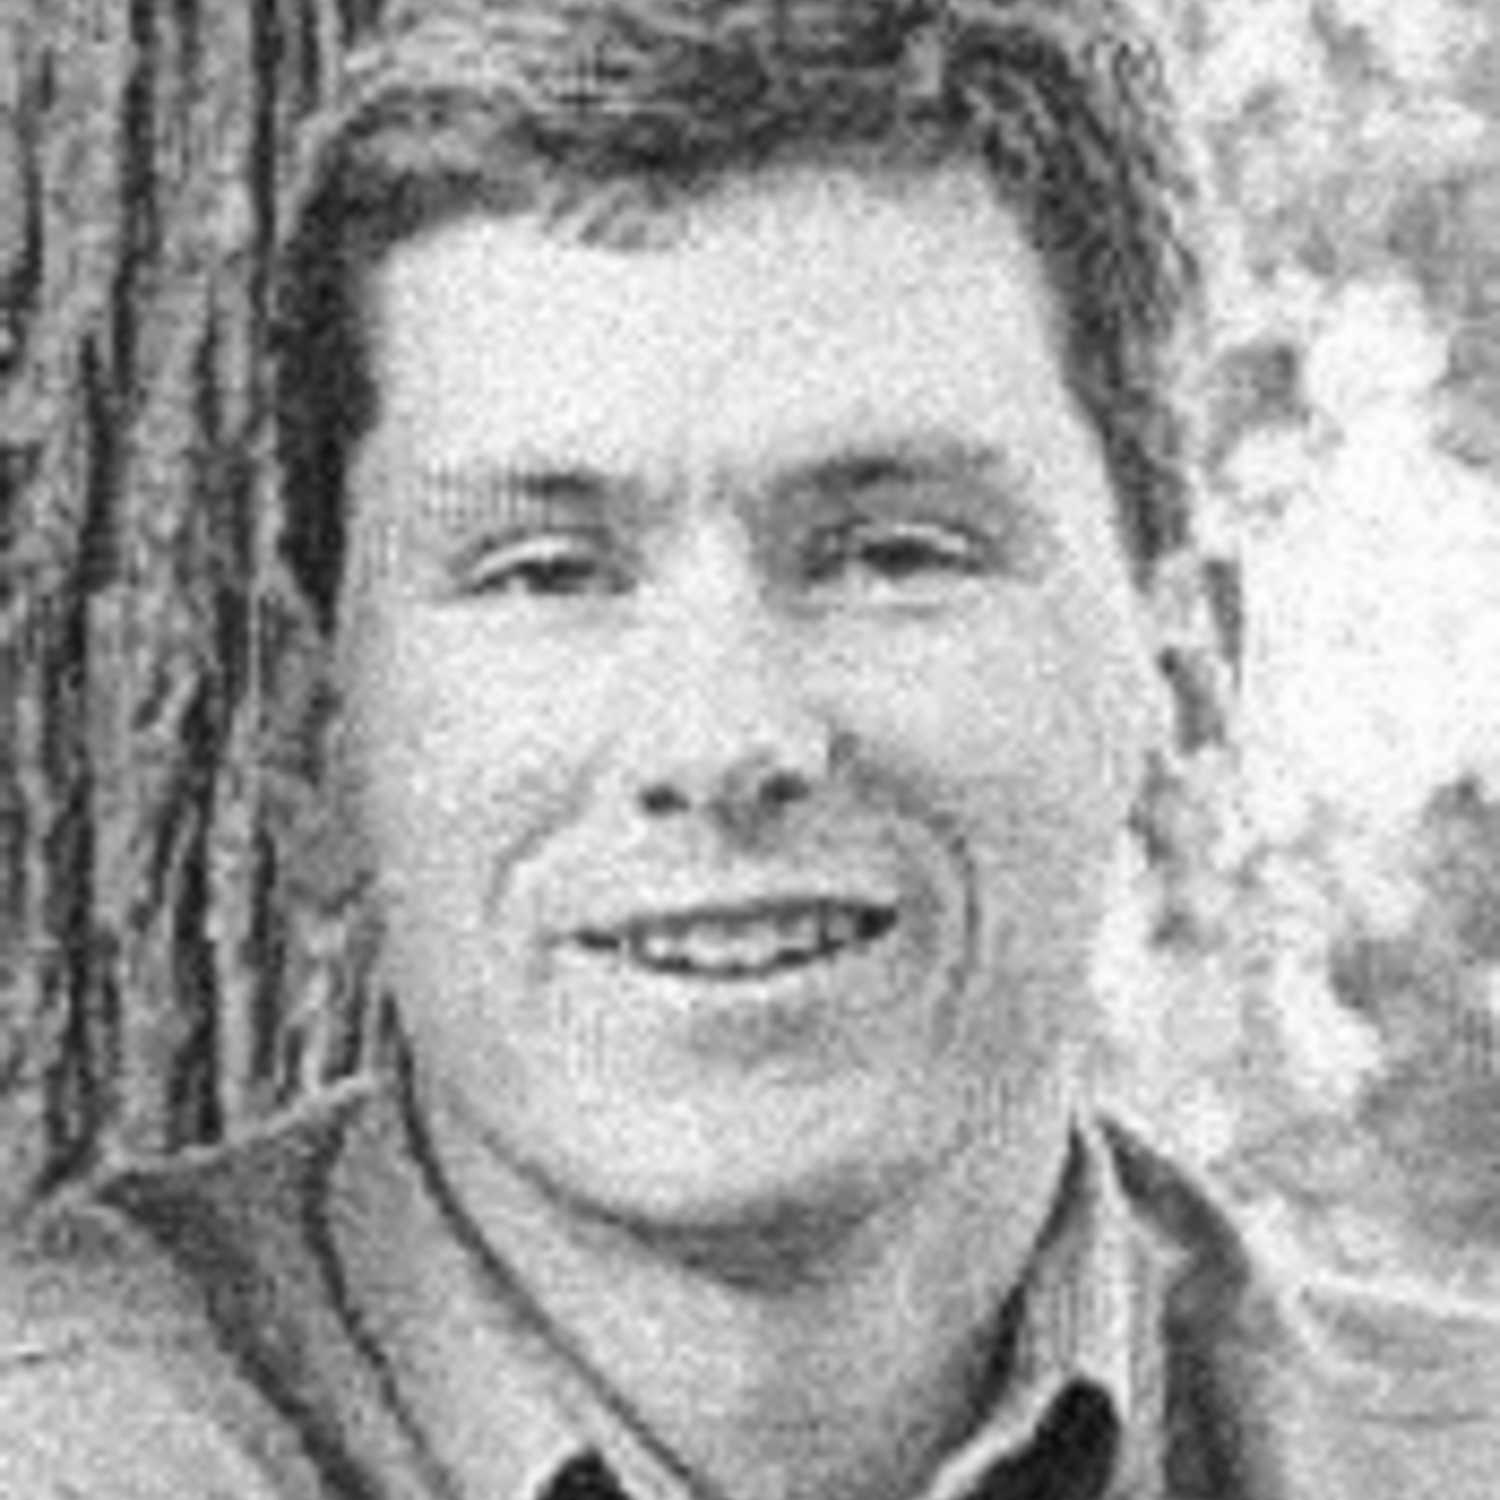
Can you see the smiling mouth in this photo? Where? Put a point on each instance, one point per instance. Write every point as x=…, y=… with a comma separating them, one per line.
x=745, y=944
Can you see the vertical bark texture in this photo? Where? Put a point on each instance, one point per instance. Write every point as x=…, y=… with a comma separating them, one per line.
x=144, y=145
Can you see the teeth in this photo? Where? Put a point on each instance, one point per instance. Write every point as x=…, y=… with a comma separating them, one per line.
x=740, y=947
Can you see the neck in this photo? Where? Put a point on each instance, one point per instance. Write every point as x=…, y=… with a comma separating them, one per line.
x=790, y=1354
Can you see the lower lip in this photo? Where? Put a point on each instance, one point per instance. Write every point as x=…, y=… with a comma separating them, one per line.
x=796, y=1022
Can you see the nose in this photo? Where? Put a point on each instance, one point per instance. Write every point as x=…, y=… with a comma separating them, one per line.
x=731, y=744
x=727, y=733
x=758, y=788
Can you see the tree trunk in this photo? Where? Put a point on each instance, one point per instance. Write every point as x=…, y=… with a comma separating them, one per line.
x=144, y=146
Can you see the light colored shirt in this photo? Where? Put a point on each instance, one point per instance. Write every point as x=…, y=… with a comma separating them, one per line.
x=299, y=1315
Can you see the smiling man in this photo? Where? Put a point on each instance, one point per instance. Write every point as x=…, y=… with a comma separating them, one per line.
x=727, y=445
x=746, y=696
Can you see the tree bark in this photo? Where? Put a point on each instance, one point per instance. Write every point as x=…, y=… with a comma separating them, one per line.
x=144, y=146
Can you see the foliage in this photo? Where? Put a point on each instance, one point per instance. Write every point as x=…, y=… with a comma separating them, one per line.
x=1325, y=1037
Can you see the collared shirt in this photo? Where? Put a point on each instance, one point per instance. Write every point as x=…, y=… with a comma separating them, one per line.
x=295, y=1316
x=451, y=1325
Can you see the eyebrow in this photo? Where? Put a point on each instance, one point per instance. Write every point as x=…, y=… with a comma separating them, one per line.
x=519, y=494
x=563, y=484
x=904, y=461
x=536, y=485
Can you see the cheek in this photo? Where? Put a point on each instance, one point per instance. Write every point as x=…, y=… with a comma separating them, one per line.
x=465, y=752
x=1013, y=712
x=1013, y=735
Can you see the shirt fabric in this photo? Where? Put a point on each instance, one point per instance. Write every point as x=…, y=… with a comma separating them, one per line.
x=300, y=1316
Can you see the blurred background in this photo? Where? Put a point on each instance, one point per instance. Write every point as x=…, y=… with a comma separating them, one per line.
x=1304, y=997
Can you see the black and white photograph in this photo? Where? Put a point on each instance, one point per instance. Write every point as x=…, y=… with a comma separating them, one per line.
x=749, y=750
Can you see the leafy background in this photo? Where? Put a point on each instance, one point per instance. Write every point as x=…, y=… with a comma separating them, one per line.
x=1326, y=1037
x=1317, y=1018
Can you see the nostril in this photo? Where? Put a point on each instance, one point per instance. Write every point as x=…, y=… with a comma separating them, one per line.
x=782, y=788
x=662, y=800
x=750, y=790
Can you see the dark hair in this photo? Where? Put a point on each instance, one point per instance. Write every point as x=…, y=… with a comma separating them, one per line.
x=512, y=106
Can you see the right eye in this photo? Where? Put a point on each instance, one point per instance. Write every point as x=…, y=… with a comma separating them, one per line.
x=555, y=567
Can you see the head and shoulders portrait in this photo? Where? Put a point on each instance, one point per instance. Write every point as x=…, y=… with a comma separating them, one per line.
x=729, y=452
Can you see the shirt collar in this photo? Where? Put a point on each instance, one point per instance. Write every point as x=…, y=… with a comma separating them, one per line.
x=441, y=1330
x=444, y=1329
x=1087, y=1316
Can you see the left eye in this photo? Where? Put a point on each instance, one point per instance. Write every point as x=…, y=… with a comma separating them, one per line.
x=896, y=554
x=558, y=567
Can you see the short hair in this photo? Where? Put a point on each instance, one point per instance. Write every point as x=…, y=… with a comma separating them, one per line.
x=551, y=106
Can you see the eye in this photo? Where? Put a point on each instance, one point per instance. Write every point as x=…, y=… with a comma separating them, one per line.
x=897, y=554
x=551, y=567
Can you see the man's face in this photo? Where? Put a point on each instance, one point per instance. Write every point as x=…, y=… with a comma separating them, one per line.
x=746, y=693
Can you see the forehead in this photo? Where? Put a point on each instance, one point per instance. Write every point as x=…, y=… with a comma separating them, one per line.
x=809, y=311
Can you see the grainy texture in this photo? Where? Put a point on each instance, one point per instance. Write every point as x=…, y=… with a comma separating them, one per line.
x=156, y=982
x=143, y=144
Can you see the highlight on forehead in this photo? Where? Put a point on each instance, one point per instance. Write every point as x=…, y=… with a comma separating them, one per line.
x=847, y=297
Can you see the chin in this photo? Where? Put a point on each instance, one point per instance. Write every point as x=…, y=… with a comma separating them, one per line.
x=783, y=1168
